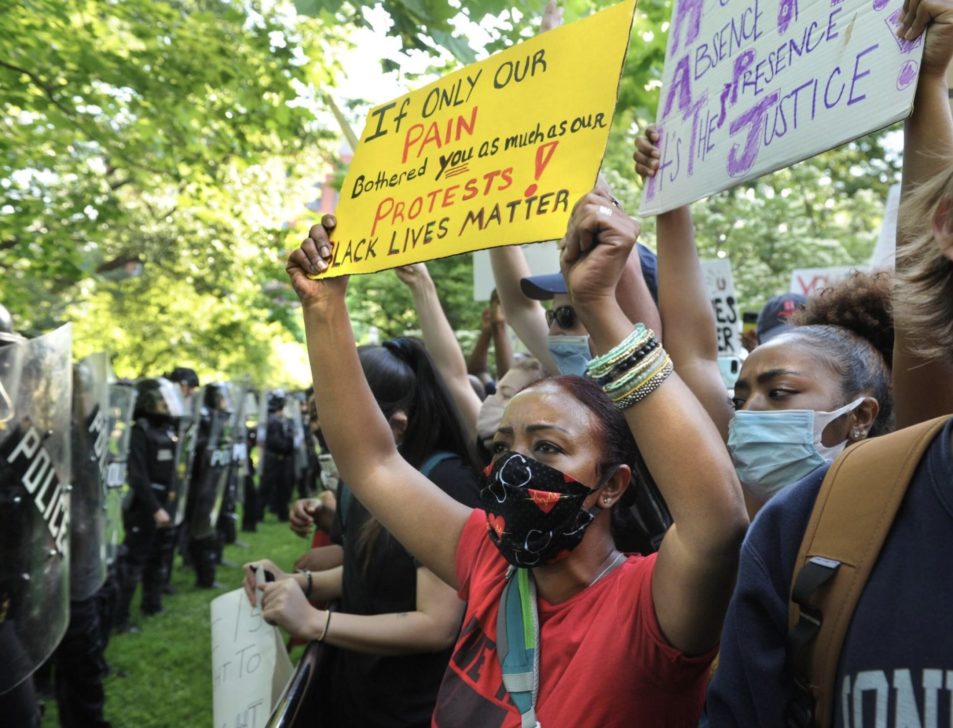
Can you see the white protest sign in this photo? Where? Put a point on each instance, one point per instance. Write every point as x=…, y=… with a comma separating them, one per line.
x=751, y=86
x=808, y=281
x=542, y=258
x=885, y=252
x=721, y=290
x=250, y=666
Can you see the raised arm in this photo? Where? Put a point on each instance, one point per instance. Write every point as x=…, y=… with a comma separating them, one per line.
x=423, y=518
x=480, y=353
x=688, y=319
x=922, y=389
x=698, y=558
x=502, y=348
x=525, y=316
x=442, y=344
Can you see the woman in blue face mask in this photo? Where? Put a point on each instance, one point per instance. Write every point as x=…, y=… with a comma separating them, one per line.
x=809, y=392
x=802, y=396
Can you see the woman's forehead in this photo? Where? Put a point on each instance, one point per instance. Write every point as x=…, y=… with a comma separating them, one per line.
x=546, y=403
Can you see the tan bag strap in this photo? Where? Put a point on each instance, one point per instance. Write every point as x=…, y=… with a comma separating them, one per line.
x=852, y=516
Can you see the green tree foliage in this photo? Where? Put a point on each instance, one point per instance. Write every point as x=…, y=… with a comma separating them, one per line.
x=152, y=133
x=181, y=138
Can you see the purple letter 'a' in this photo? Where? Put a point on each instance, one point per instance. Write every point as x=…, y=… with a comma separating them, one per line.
x=682, y=11
x=682, y=86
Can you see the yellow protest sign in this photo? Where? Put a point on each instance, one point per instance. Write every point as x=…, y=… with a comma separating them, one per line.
x=494, y=154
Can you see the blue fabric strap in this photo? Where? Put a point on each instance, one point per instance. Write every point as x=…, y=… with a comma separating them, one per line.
x=434, y=460
x=517, y=635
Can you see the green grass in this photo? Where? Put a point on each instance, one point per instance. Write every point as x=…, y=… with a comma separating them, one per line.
x=163, y=676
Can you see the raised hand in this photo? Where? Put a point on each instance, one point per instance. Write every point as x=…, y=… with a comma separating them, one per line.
x=596, y=247
x=938, y=48
x=314, y=258
x=646, y=155
x=413, y=275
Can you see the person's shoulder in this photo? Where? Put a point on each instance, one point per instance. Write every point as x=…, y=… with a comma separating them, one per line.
x=776, y=532
x=457, y=478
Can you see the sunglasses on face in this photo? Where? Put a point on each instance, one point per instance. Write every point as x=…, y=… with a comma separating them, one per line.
x=564, y=316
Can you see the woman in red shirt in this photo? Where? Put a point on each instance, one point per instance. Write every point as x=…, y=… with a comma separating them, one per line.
x=616, y=640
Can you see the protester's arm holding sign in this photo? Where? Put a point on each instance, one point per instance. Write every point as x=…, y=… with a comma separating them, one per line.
x=325, y=585
x=441, y=343
x=922, y=388
x=424, y=519
x=687, y=314
x=432, y=627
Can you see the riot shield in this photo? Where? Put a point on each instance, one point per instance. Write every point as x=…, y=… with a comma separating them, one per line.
x=293, y=412
x=240, y=399
x=238, y=465
x=90, y=434
x=122, y=402
x=36, y=384
x=262, y=434
x=188, y=430
x=212, y=464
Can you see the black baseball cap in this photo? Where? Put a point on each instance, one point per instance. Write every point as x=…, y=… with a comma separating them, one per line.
x=776, y=315
x=544, y=287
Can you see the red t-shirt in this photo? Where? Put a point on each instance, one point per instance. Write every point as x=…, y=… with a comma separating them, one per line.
x=603, y=659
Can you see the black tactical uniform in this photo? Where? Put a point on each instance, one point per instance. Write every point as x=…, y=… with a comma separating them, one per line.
x=151, y=467
x=277, y=477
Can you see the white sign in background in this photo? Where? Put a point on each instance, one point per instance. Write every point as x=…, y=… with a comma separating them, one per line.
x=542, y=258
x=808, y=281
x=250, y=666
x=751, y=86
x=721, y=290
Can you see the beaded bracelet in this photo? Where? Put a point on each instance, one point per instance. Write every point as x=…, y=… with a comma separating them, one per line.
x=618, y=395
x=602, y=365
x=629, y=362
x=647, y=388
x=637, y=372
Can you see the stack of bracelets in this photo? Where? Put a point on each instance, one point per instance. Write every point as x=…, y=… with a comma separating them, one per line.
x=633, y=369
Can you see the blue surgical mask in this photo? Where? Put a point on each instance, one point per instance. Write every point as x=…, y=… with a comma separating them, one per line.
x=776, y=448
x=571, y=353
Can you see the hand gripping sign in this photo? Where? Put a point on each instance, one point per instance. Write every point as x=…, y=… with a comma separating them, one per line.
x=494, y=154
x=751, y=86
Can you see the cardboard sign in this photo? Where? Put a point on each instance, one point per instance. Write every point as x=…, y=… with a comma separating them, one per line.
x=808, y=281
x=250, y=666
x=721, y=290
x=751, y=86
x=496, y=153
x=542, y=258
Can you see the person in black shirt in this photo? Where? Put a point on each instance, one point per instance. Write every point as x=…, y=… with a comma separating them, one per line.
x=397, y=621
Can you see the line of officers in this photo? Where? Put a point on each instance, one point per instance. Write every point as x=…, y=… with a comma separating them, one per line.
x=84, y=458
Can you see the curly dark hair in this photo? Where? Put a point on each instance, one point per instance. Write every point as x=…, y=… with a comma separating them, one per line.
x=861, y=303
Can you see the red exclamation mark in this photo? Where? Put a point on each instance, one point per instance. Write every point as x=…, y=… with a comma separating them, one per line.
x=544, y=153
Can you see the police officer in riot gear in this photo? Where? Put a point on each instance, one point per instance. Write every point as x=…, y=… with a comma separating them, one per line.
x=277, y=477
x=187, y=382
x=212, y=462
x=148, y=516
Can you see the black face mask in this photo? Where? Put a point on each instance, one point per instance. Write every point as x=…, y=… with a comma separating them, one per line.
x=534, y=512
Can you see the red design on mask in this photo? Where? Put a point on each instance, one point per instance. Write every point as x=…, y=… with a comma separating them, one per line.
x=497, y=523
x=543, y=499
